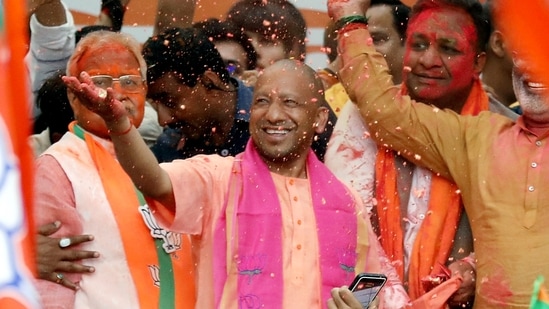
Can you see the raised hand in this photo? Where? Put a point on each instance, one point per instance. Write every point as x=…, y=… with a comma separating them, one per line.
x=100, y=101
x=54, y=257
x=341, y=8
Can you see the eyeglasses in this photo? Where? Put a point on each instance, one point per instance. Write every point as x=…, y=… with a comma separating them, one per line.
x=130, y=83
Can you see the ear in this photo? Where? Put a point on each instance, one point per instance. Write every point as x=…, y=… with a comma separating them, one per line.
x=497, y=44
x=73, y=100
x=480, y=61
x=210, y=80
x=321, y=119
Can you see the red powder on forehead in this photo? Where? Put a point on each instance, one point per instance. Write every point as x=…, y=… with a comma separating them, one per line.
x=439, y=26
x=420, y=23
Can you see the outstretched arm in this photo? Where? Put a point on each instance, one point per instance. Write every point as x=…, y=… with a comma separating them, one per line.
x=133, y=154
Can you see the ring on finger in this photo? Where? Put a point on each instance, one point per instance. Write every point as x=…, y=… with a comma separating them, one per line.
x=59, y=277
x=101, y=93
x=64, y=242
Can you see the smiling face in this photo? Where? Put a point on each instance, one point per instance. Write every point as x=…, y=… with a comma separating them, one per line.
x=286, y=112
x=441, y=54
x=532, y=94
x=114, y=60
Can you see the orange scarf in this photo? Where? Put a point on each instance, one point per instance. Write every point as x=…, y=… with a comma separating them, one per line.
x=141, y=249
x=434, y=240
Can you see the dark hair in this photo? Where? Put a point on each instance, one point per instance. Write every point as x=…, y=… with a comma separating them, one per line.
x=225, y=31
x=488, y=7
x=471, y=7
x=185, y=51
x=268, y=18
x=53, y=102
x=401, y=15
x=330, y=40
x=82, y=32
x=115, y=11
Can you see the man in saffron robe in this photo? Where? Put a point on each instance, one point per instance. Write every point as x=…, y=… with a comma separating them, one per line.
x=271, y=227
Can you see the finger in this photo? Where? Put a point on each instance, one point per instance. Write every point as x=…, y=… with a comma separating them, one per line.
x=331, y=304
x=50, y=228
x=77, y=255
x=348, y=298
x=69, y=284
x=336, y=296
x=60, y=279
x=85, y=77
x=72, y=83
x=78, y=239
x=73, y=267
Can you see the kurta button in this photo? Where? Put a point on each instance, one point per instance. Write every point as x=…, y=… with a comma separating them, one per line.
x=295, y=198
x=534, y=164
x=538, y=143
x=298, y=247
x=531, y=188
x=421, y=216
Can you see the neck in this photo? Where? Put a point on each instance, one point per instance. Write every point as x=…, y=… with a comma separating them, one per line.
x=224, y=118
x=500, y=81
x=540, y=127
x=296, y=168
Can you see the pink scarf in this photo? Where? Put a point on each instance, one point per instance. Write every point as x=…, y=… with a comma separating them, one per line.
x=252, y=233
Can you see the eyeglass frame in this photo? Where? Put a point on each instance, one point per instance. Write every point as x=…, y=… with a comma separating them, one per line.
x=117, y=79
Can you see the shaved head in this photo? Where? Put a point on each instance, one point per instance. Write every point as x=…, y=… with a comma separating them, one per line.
x=315, y=83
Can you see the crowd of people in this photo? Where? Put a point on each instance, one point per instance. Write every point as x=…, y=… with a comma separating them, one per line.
x=257, y=181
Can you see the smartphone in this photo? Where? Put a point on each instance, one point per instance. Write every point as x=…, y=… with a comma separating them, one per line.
x=366, y=286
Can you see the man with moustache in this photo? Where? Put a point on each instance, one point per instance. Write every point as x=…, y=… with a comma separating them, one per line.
x=206, y=110
x=79, y=182
x=443, y=57
x=507, y=205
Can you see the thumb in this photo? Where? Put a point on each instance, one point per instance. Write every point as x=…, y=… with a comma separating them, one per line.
x=50, y=228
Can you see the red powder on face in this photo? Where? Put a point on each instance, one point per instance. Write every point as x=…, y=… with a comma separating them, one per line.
x=440, y=51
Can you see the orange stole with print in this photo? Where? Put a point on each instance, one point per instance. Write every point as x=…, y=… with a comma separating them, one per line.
x=142, y=255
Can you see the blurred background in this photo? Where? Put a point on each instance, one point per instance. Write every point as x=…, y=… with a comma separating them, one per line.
x=140, y=16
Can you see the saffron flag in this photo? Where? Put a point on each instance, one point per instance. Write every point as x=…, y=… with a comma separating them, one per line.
x=540, y=297
x=16, y=241
x=524, y=24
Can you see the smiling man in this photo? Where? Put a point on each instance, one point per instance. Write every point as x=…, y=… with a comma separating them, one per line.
x=443, y=57
x=79, y=182
x=500, y=166
x=206, y=110
x=271, y=227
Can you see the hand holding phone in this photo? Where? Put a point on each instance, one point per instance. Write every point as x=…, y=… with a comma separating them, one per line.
x=366, y=286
